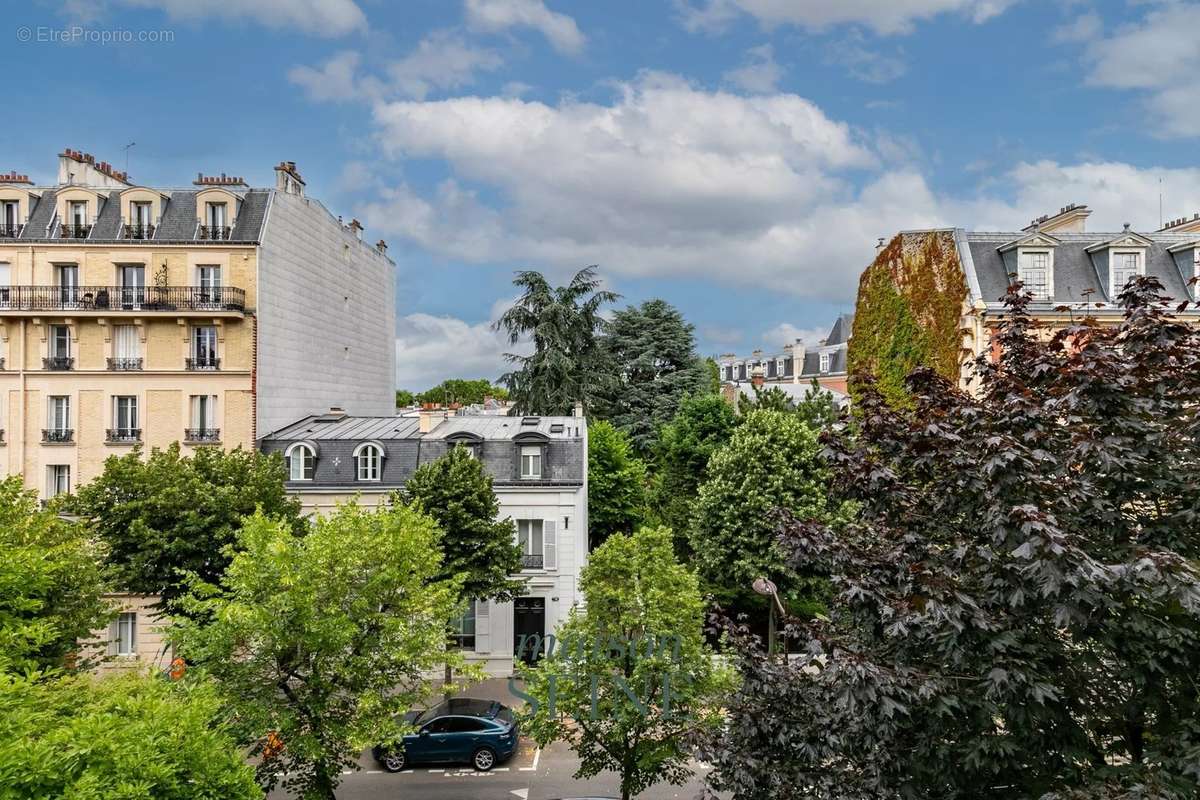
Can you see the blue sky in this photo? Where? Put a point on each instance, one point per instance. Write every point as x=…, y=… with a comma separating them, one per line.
x=738, y=158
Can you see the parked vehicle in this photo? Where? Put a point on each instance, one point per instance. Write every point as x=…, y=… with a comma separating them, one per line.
x=482, y=733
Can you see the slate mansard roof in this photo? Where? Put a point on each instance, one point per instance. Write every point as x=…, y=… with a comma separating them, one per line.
x=177, y=223
x=498, y=441
x=834, y=345
x=1079, y=264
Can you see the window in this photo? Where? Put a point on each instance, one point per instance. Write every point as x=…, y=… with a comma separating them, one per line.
x=824, y=362
x=441, y=725
x=5, y=282
x=141, y=214
x=531, y=462
x=300, y=462
x=9, y=221
x=1034, y=273
x=133, y=285
x=60, y=341
x=468, y=725
x=204, y=347
x=368, y=459
x=463, y=629
x=58, y=480
x=208, y=277
x=122, y=635
x=204, y=412
x=531, y=541
x=1124, y=267
x=216, y=215
x=126, y=348
x=67, y=276
x=78, y=212
x=125, y=414
x=58, y=413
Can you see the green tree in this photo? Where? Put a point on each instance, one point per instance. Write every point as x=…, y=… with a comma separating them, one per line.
x=404, y=398
x=771, y=398
x=713, y=372
x=169, y=514
x=50, y=585
x=1017, y=609
x=130, y=737
x=816, y=408
x=564, y=324
x=322, y=640
x=703, y=423
x=464, y=392
x=616, y=483
x=630, y=676
x=771, y=462
x=480, y=548
x=652, y=352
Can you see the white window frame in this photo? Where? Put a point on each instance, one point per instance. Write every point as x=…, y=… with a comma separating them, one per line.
x=216, y=214
x=131, y=412
x=824, y=362
x=368, y=463
x=1115, y=287
x=74, y=206
x=55, y=403
x=530, y=533
x=123, y=634
x=54, y=340
x=1048, y=252
x=58, y=480
x=6, y=218
x=126, y=342
x=531, y=454
x=202, y=412
x=307, y=462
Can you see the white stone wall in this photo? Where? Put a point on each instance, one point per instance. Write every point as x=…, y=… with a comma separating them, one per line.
x=326, y=318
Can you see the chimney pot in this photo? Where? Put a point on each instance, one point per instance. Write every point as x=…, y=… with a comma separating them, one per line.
x=1126, y=227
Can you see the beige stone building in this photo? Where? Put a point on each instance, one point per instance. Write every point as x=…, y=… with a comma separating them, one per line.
x=207, y=315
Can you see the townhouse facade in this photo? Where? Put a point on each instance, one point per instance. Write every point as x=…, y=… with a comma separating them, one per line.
x=138, y=315
x=539, y=471
x=951, y=282
x=793, y=368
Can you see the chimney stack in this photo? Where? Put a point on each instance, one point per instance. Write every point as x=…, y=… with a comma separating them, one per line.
x=381, y=246
x=429, y=417
x=356, y=228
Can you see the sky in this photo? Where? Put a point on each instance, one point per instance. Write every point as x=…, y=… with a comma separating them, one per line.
x=737, y=158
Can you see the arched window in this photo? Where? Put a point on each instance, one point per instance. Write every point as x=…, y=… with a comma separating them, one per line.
x=368, y=460
x=301, y=460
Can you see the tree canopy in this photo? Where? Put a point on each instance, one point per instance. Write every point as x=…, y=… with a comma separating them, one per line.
x=652, y=353
x=170, y=514
x=317, y=642
x=564, y=326
x=616, y=483
x=1017, y=608
x=454, y=390
x=51, y=589
x=630, y=676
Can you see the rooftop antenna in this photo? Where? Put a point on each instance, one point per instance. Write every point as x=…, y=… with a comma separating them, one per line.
x=131, y=144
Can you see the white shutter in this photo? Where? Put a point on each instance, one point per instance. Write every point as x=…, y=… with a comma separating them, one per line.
x=483, y=627
x=549, y=545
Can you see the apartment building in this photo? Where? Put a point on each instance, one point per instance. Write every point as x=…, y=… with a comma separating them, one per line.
x=539, y=471
x=951, y=282
x=796, y=366
x=206, y=315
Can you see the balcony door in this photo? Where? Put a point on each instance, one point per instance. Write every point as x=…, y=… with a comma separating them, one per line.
x=67, y=277
x=5, y=284
x=133, y=286
x=209, y=280
x=8, y=218
x=125, y=415
x=58, y=414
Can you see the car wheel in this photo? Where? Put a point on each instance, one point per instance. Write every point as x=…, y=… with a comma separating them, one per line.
x=393, y=760
x=484, y=759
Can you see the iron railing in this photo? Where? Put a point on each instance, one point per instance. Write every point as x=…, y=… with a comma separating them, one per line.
x=123, y=435
x=532, y=561
x=120, y=298
x=58, y=363
x=201, y=435
x=206, y=363
x=58, y=435
x=124, y=364
x=136, y=231
x=12, y=231
x=214, y=232
x=74, y=230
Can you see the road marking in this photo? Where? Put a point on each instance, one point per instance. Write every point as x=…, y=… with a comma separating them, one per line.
x=521, y=793
x=437, y=770
x=536, y=755
x=500, y=769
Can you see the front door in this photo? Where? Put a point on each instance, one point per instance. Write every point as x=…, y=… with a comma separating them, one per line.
x=529, y=628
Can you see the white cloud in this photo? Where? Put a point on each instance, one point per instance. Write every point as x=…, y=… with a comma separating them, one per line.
x=1085, y=27
x=430, y=349
x=866, y=61
x=759, y=74
x=442, y=60
x=500, y=15
x=787, y=333
x=328, y=18
x=882, y=16
x=1160, y=55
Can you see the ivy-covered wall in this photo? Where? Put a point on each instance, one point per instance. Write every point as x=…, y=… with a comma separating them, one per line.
x=909, y=312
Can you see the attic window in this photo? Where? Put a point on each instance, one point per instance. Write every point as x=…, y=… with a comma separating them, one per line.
x=824, y=362
x=557, y=428
x=530, y=421
x=1034, y=272
x=1125, y=266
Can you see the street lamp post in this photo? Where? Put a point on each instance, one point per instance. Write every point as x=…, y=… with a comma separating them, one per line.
x=764, y=586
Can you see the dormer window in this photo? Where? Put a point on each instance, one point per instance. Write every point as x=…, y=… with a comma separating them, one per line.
x=824, y=366
x=1125, y=266
x=531, y=462
x=140, y=225
x=1034, y=272
x=75, y=226
x=10, y=219
x=216, y=221
x=301, y=462
x=368, y=461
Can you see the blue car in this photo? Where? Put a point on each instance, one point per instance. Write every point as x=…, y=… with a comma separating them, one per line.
x=482, y=733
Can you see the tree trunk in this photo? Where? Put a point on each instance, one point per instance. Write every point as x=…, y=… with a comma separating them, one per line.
x=324, y=784
x=448, y=681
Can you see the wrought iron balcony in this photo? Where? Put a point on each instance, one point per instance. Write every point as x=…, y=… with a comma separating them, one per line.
x=202, y=364
x=124, y=364
x=202, y=435
x=136, y=231
x=532, y=561
x=119, y=298
x=10, y=231
x=58, y=363
x=123, y=435
x=74, y=230
x=58, y=435
x=214, y=232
